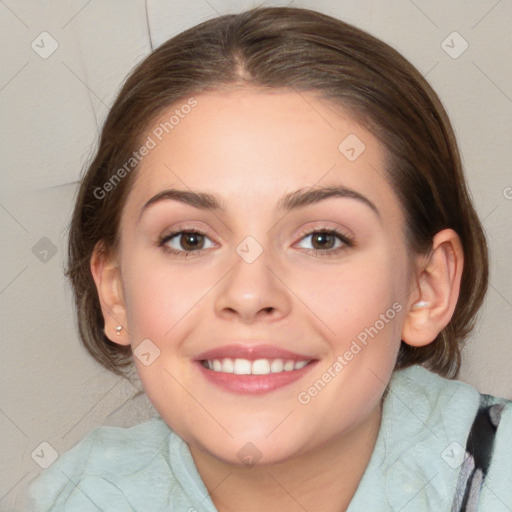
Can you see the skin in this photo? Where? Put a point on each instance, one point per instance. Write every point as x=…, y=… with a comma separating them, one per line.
x=250, y=148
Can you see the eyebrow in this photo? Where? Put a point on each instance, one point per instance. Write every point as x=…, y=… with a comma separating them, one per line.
x=291, y=201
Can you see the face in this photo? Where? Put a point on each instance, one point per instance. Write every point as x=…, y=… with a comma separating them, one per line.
x=277, y=321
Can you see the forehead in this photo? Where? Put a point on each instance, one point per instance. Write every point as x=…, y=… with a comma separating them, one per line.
x=251, y=147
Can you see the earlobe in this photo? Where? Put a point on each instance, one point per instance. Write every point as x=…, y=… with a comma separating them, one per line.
x=434, y=297
x=107, y=277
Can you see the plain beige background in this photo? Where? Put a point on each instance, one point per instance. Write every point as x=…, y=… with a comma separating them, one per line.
x=52, y=108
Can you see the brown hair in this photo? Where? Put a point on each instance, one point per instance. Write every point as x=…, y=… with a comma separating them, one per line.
x=302, y=50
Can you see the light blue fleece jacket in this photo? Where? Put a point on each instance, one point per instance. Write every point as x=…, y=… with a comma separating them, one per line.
x=414, y=467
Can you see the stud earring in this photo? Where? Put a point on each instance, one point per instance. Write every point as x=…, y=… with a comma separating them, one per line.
x=420, y=304
x=119, y=328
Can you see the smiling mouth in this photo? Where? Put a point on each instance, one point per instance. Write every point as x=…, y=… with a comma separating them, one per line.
x=253, y=367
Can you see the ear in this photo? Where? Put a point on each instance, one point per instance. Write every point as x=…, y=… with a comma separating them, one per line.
x=107, y=276
x=434, y=298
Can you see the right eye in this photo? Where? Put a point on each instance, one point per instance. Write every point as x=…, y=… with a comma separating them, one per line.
x=184, y=242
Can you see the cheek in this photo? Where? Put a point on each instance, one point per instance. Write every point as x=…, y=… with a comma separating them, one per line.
x=354, y=296
x=158, y=295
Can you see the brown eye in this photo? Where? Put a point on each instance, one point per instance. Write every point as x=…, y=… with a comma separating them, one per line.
x=184, y=242
x=322, y=240
x=327, y=242
x=191, y=241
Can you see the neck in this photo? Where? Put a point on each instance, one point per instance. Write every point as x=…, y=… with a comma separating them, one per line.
x=323, y=479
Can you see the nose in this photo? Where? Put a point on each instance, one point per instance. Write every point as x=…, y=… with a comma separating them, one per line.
x=253, y=291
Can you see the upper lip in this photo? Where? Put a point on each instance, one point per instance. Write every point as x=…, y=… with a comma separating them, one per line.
x=251, y=353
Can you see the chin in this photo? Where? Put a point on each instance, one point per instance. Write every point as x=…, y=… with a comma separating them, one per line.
x=249, y=454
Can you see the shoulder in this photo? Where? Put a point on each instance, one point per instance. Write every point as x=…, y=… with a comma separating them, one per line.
x=439, y=396
x=496, y=494
x=426, y=423
x=425, y=399
x=420, y=380
x=96, y=466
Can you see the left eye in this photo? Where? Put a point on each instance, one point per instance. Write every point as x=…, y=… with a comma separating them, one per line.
x=326, y=239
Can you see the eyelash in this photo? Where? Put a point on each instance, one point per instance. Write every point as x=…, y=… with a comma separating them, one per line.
x=347, y=242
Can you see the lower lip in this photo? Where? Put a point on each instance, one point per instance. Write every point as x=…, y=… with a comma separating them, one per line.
x=253, y=384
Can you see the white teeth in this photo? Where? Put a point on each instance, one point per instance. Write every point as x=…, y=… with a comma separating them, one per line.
x=288, y=366
x=276, y=366
x=242, y=367
x=260, y=367
x=228, y=365
x=257, y=367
